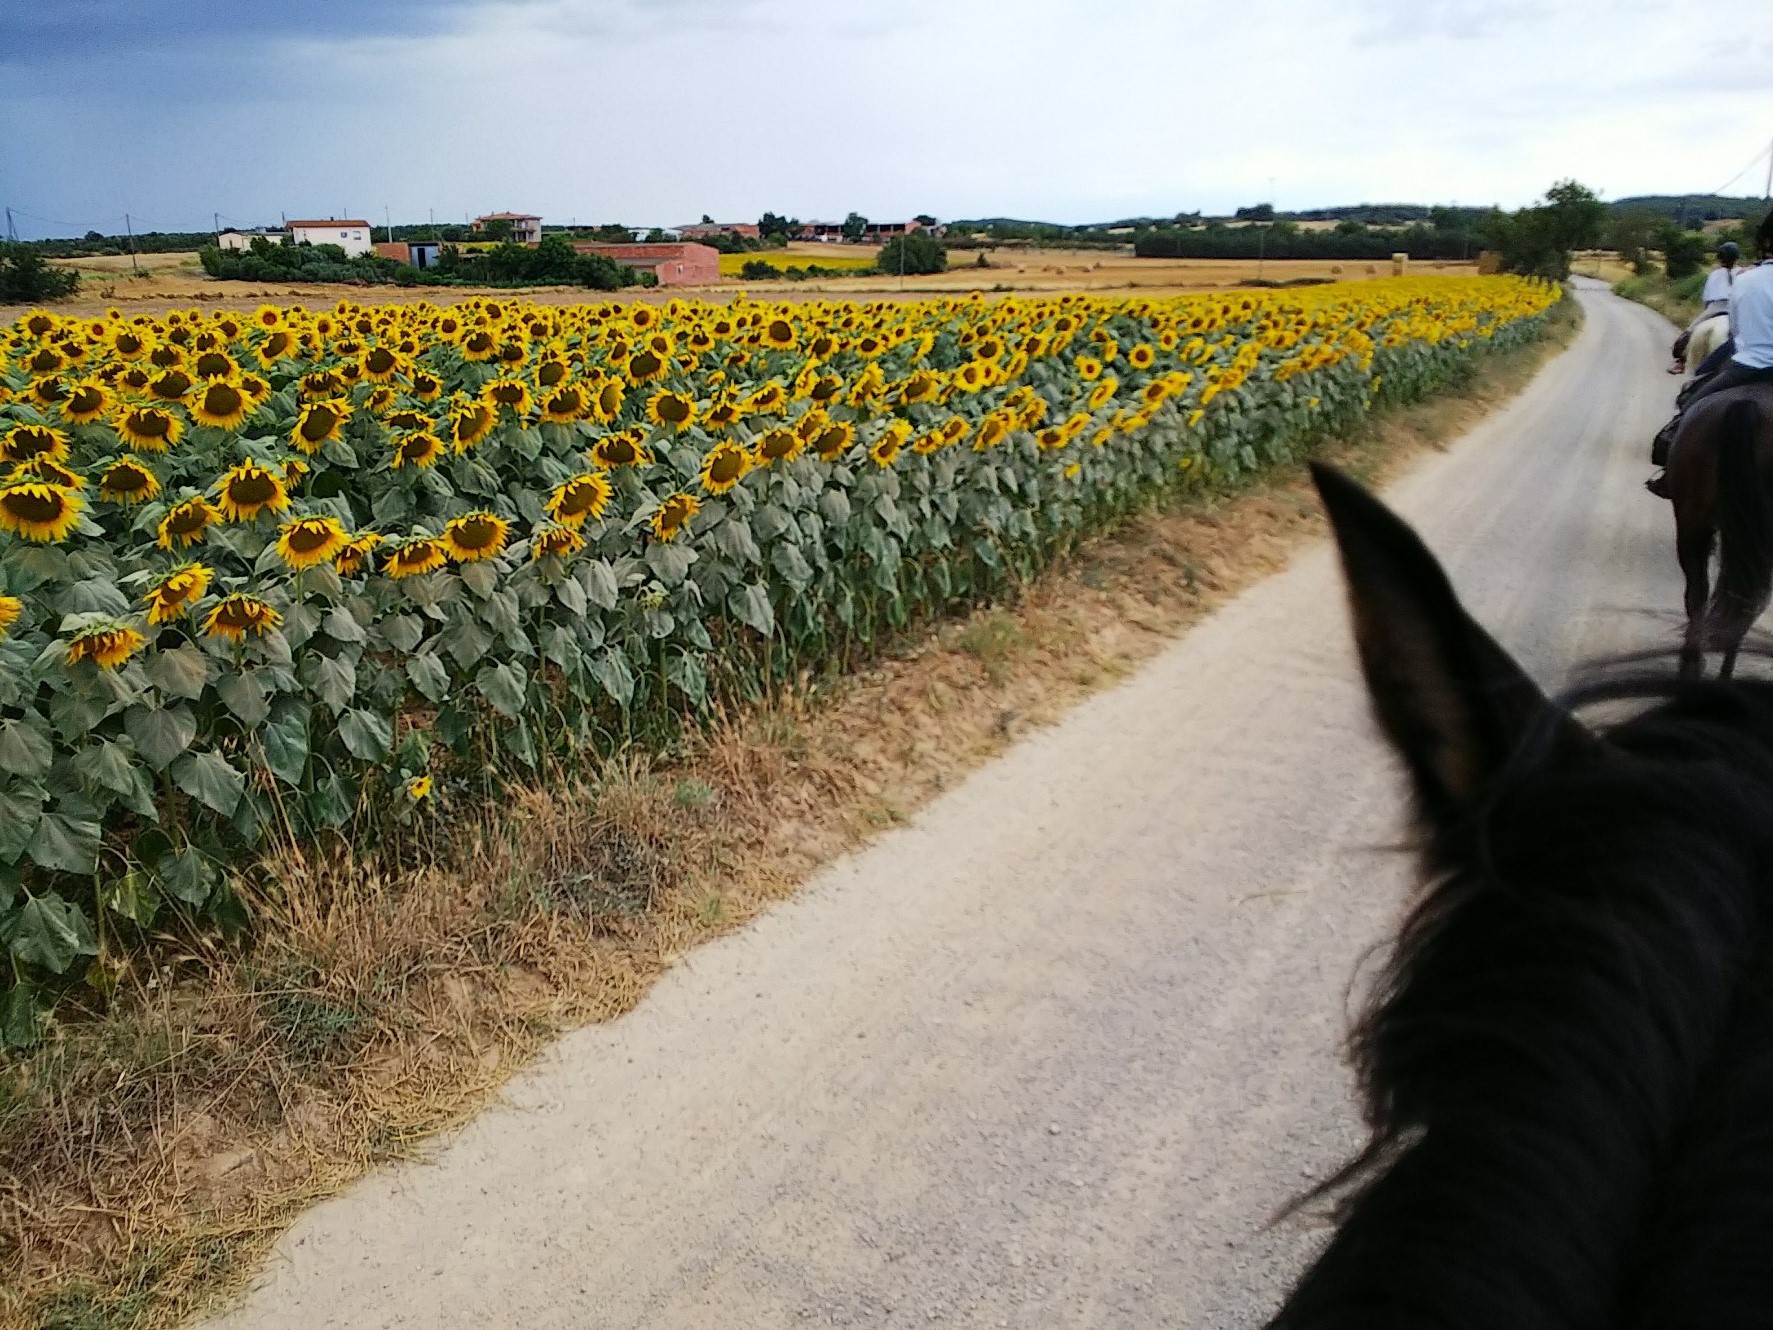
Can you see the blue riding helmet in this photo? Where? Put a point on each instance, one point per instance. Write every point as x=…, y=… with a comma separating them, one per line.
x=1729, y=251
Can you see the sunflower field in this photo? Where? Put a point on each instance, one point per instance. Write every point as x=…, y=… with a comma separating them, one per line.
x=276, y=575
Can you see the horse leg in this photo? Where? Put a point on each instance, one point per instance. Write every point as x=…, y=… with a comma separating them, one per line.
x=1693, y=542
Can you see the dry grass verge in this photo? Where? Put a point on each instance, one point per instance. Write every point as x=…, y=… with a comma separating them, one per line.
x=148, y=1159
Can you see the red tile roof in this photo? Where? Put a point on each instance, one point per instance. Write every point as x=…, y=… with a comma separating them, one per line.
x=330, y=221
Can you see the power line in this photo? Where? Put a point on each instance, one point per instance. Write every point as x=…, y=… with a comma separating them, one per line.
x=1749, y=166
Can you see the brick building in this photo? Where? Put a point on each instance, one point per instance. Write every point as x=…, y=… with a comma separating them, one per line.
x=687, y=264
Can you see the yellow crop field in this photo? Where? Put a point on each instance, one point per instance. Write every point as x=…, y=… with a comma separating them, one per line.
x=302, y=570
x=840, y=260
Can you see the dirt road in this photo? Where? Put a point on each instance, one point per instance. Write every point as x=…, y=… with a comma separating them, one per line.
x=1052, y=1054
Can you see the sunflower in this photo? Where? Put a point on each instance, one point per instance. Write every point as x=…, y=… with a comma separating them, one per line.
x=619, y=450
x=645, y=366
x=219, y=404
x=415, y=557
x=10, y=608
x=584, y=496
x=214, y=364
x=1155, y=392
x=354, y=557
x=25, y=442
x=308, y=541
x=418, y=789
x=993, y=430
x=425, y=387
x=186, y=523
x=565, y=404
x=250, y=489
x=479, y=345
x=87, y=401
x=1103, y=393
x=45, y=360
x=470, y=423
x=48, y=471
x=171, y=385
x=134, y=378
x=606, y=403
x=834, y=441
x=174, y=594
x=560, y=541
x=1141, y=356
x=238, y=615
x=511, y=395
x=106, y=645
x=767, y=400
x=778, y=334
x=1088, y=368
x=319, y=423
x=674, y=515
x=276, y=344
x=128, y=482
x=379, y=364
x=723, y=414
x=779, y=445
x=39, y=511
x=407, y=418
x=475, y=536
x=421, y=449
x=724, y=466
x=149, y=427
x=674, y=409
x=884, y=449
x=130, y=343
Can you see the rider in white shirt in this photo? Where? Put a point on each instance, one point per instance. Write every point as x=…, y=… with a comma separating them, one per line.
x=1751, y=332
x=1716, y=300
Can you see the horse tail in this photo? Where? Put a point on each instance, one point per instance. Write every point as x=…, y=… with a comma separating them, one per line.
x=1745, y=525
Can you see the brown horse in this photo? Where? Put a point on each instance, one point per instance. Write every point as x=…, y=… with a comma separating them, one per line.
x=1720, y=475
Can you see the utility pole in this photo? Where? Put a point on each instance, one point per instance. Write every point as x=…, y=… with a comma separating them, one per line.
x=11, y=230
x=130, y=231
x=1767, y=190
x=217, y=218
x=388, y=221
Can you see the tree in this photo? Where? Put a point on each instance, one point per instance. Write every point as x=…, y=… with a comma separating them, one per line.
x=1256, y=212
x=1538, y=240
x=855, y=226
x=1683, y=252
x=772, y=224
x=912, y=253
x=924, y=219
x=26, y=279
x=707, y=220
x=1633, y=234
x=496, y=228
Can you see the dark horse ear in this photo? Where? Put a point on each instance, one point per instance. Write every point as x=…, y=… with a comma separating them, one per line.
x=1453, y=703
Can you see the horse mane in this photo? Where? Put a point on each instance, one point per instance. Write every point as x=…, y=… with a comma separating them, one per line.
x=1566, y=1062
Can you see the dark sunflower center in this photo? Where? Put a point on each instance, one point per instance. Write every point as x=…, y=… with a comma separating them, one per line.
x=84, y=401
x=508, y=394
x=380, y=360
x=126, y=479
x=212, y=364
x=550, y=374
x=724, y=467
x=674, y=409
x=780, y=330
x=149, y=424
x=187, y=520
x=645, y=364
x=27, y=442
x=477, y=533
x=35, y=503
x=221, y=399
x=252, y=489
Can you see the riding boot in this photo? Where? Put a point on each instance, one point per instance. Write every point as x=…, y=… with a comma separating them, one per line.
x=1663, y=441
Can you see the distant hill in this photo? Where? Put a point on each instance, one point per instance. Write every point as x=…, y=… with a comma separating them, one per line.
x=1692, y=208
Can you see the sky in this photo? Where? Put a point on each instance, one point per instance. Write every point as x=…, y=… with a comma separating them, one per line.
x=656, y=112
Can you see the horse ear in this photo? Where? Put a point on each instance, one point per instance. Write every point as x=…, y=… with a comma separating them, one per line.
x=1453, y=703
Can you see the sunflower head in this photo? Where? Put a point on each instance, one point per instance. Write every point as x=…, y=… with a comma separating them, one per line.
x=779, y=445
x=186, y=523
x=23, y=443
x=150, y=428
x=420, y=448
x=250, y=489
x=584, y=496
x=174, y=594
x=565, y=404
x=723, y=467
x=475, y=536
x=107, y=645
x=619, y=450
x=562, y=542
x=414, y=557
x=676, y=410
x=308, y=541
x=128, y=482
x=354, y=558
x=674, y=515
x=240, y=614
x=87, y=401
x=38, y=511
x=49, y=471
x=10, y=608
x=470, y=423
x=219, y=403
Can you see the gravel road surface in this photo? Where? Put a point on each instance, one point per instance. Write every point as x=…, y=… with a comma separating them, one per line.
x=1052, y=1054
